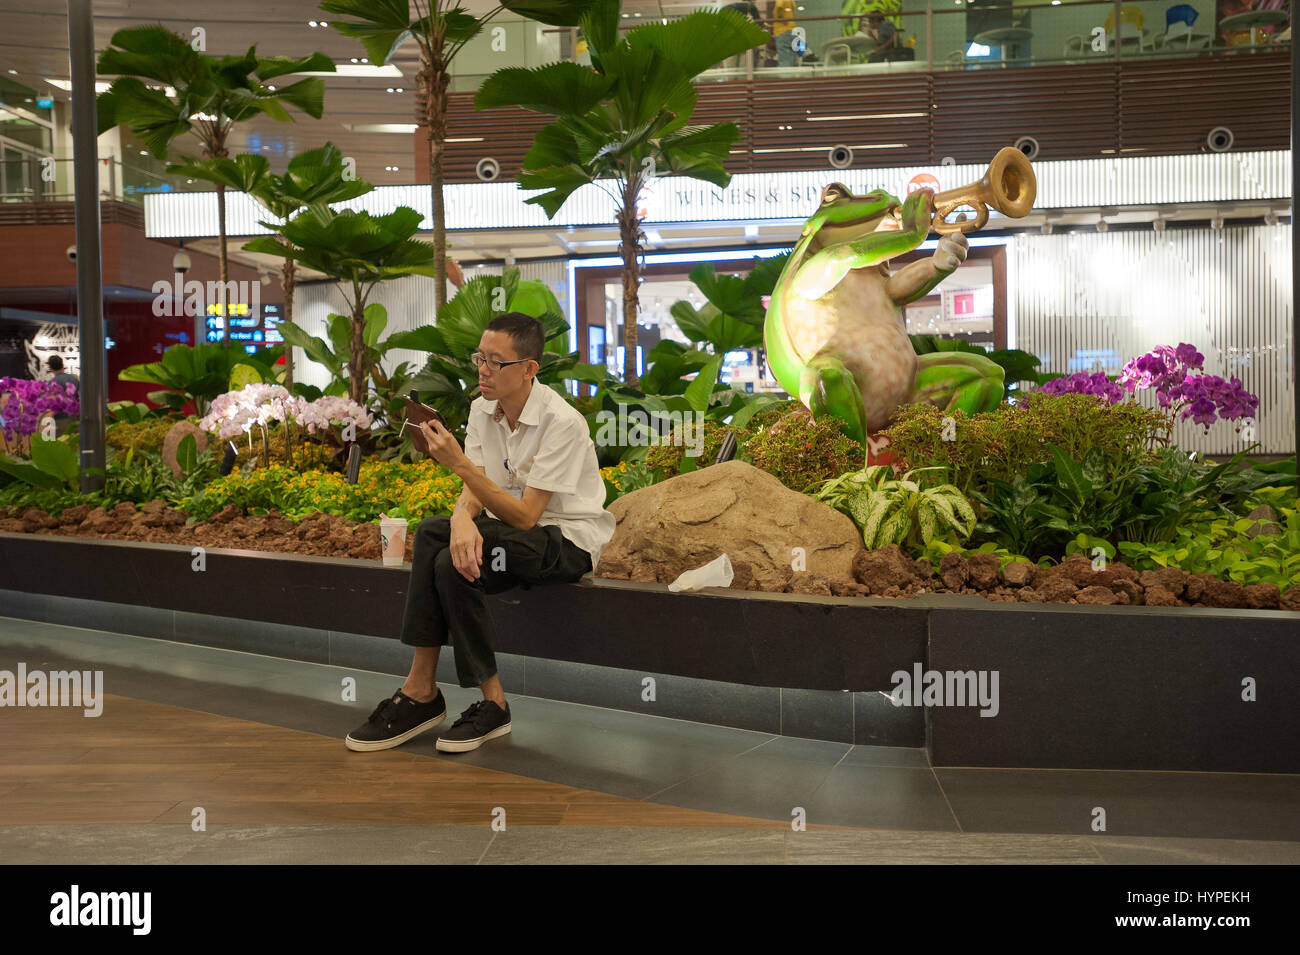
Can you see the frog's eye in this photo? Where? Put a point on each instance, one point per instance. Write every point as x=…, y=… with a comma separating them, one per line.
x=834, y=192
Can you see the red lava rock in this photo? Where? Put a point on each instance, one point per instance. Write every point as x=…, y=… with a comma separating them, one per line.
x=73, y=516
x=878, y=570
x=226, y=514
x=1077, y=569
x=1056, y=589
x=954, y=571
x=1290, y=598
x=805, y=582
x=1127, y=589
x=924, y=569
x=984, y=571
x=1096, y=594
x=1263, y=596
x=1195, y=587
x=1028, y=595
x=38, y=518
x=14, y=526
x=1157, y=596
x=848, y=588
x=1171, y=579
x=1019, y=573
x=1223, y=593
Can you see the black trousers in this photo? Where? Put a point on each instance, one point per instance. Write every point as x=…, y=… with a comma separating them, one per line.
x=442, y=607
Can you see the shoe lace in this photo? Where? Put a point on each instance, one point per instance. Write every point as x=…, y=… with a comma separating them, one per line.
x=471, y=715
x=385, y=711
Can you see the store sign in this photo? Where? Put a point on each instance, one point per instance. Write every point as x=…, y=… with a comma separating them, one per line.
x=922, y=180
x=1062, y=184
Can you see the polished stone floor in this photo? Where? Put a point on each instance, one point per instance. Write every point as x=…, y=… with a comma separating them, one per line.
x=591, y=784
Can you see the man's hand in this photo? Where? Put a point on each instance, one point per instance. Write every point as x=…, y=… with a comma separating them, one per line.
x=466, y=546
x=442, y=447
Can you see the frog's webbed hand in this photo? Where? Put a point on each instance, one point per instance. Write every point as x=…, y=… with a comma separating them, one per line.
x=954, y=379
x=825, y=269
x=826, y=387
x=917, y=279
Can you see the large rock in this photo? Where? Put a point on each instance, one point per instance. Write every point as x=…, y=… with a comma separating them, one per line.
x=733, y=507
x=173, y=440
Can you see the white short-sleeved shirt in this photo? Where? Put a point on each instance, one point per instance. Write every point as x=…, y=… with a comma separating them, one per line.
x=550, y=449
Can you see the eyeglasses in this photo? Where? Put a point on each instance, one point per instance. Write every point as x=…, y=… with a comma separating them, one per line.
x=479, y=361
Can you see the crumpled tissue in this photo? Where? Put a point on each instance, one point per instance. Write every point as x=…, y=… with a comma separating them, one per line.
x=716, y=573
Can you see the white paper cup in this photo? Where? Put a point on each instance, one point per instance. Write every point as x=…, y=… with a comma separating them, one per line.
x=392, y=533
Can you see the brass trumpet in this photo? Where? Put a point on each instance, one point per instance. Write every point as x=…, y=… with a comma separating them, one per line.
x=1009, y=185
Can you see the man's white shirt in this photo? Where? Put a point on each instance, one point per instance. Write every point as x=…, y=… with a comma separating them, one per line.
x=550, y=449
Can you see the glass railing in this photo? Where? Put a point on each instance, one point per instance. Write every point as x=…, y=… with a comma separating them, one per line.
x=943, y=35
x=50, y=179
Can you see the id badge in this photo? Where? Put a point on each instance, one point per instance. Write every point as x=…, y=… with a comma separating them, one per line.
x=516, y=492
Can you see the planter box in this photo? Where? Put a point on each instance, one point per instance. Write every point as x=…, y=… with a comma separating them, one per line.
x=1077, y=687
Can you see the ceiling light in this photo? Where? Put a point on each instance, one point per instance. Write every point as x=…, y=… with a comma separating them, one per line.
x=144, y=152
x=832, y=119
x=324, y=23
x=312, y=23
x=355, y=69
x=271, y=88
x=381, y=127
x=822, y=149
x=14, y=72
x=100, y=85
x=355, y=60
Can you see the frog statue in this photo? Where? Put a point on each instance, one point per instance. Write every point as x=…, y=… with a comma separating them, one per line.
x=834, y=332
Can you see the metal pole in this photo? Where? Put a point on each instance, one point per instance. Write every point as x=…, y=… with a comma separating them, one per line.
x=90, y=293
x=929, y=38
x=1295, y=239
x=1119, y=29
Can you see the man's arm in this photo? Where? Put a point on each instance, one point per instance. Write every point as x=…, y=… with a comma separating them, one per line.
x=515, y=512
x=467, y=503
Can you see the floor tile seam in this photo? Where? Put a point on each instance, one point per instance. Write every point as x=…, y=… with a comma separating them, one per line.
x=708, y=768
x=946, y=801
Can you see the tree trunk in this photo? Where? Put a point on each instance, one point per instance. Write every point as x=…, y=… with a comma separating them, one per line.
x=288, y=276
x=357, y=351
x=630, y=235
x=223, y=262
x=431, y=111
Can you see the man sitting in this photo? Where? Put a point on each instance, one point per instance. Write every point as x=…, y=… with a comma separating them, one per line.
x=530, y=461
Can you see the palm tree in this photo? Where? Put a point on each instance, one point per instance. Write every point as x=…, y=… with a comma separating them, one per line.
x=624, y=118
x=359, y=251
x=440, y=28
x=205, y=95
x=313, y=180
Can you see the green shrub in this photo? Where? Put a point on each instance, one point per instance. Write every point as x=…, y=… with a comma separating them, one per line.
x=665, y=460
x=146, y=435
x=802, y=453
x=1008, y=441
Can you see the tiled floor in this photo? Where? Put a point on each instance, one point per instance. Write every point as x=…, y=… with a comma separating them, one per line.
x=895, y=807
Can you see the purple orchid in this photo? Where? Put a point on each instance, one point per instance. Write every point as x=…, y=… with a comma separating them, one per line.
x=23, y=401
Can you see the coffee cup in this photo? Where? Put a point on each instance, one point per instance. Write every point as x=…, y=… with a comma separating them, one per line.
x=392, y=533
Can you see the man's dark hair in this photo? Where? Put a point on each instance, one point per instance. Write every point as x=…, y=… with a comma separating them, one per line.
x=56, y=363
x=525, y=332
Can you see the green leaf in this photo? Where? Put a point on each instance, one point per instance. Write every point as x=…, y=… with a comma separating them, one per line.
x=56, y=458
x=699, y=390
x=557, y=89
x=187, y=454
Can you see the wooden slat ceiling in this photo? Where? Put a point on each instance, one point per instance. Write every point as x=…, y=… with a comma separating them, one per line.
x=1075, y=112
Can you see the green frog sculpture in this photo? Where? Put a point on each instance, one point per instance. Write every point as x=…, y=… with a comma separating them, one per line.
x=835, y=334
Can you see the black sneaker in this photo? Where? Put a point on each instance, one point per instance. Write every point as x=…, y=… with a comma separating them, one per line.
x=478, y=724
x=396, y=720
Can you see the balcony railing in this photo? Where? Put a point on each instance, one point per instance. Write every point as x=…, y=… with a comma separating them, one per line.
x=957, y=35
